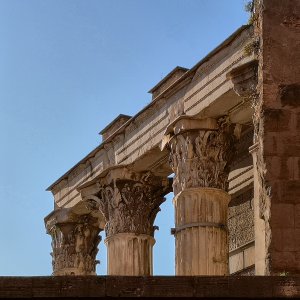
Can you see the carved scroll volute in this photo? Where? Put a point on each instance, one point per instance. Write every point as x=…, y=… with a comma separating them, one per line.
x=75, y=242
x=201, y=157
x=130, y=204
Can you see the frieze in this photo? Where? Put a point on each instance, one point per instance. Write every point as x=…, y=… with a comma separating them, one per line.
x=241, y=220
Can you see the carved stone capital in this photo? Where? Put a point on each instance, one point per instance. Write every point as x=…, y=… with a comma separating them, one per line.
x=200, y=157
x=130, y=201
x=74, y=242
x=244, y=79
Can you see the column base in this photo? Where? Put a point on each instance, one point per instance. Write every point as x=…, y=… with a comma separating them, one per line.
x=129, y=254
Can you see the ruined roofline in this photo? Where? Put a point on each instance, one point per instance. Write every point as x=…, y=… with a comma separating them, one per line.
x=187, y=74
x=107, y=127
x=168, y=76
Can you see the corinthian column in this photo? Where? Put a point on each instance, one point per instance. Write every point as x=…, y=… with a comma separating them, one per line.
x=129, y=202
x=200, y=151
x=74, y=242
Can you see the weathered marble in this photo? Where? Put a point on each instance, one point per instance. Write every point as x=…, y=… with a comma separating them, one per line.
x=200, y=154
x=199, y=125
x=74, y=242
x=129, y=202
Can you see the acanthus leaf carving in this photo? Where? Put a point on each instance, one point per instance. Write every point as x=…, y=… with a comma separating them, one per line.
x=131, y=205
x=201, y=158
x=74, y=246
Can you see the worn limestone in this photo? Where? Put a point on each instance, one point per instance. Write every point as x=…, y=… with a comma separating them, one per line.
x=228, y=130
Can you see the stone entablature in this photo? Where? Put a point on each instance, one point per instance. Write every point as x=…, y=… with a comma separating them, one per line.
x=194, y=93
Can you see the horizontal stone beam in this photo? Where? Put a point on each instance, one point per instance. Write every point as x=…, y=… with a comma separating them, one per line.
x=113, y=287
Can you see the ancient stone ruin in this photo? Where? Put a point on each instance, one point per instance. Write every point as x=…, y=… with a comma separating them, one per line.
x=229, y=131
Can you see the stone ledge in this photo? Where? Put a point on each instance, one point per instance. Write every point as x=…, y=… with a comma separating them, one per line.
x=112, y=287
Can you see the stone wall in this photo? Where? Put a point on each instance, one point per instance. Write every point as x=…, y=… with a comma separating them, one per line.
x=277, y=124
x=241, y=209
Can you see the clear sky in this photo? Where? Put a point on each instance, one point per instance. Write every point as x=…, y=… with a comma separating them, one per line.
x=68, y=68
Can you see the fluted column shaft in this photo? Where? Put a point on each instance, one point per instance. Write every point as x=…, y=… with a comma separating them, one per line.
x=200, y=151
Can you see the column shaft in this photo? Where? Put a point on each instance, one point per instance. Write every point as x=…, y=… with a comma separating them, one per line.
x=201, y=234
x=130, y=254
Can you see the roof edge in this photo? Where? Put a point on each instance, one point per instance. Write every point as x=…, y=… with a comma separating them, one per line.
x=196, y=66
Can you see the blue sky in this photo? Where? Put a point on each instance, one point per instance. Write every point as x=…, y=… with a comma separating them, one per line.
x=68, y=68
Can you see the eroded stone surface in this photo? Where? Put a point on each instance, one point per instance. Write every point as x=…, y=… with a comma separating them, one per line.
x=74, y=243
x=201, y=157
x=277, y=136
x=253, y=75
x=130, y=203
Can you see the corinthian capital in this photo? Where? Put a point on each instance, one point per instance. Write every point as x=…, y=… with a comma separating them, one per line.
x=130, y=201
x=131, y=205
x=200, y=155
x=74, y=242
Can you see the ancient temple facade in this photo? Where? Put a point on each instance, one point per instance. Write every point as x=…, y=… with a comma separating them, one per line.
x=224, y=137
